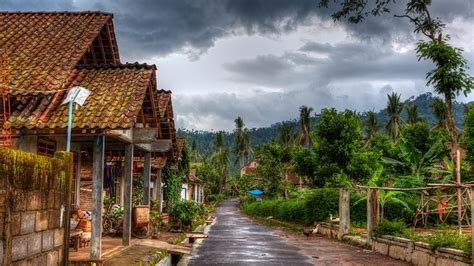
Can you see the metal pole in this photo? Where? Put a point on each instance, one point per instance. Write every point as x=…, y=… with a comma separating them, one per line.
x=69, y=122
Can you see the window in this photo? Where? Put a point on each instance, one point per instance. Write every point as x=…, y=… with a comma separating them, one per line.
x=46, y=147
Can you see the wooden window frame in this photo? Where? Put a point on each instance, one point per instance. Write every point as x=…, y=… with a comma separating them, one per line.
x=46, y=147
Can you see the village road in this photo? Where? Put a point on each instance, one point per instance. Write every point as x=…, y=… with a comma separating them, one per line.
x=237, y=240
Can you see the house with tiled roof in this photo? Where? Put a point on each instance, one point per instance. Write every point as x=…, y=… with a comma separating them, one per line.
x=45, y=54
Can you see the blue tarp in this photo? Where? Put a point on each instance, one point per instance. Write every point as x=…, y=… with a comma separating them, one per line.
x=256, y=192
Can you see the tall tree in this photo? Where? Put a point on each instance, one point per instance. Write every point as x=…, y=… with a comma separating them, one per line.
x=305, y=115
x=394, y=109
x=194, y=152
x=412, y=114
x=220, y=158
x=468, y=138
x=286, y=135
x=242, y=148
x=439, y=112
x=449, y=77
x=371, y=126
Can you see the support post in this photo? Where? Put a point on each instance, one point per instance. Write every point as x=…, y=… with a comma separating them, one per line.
x=97, y=201
x=146, y=178
x=158, y=190
x=127, y=197
x=472, y=224
x=344, y=212
x=370, y=216
x=77, y=187
x=458, y=190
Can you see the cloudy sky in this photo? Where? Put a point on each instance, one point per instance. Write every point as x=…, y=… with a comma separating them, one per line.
x=262, y=59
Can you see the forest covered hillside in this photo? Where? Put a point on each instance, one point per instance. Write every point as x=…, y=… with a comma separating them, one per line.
x=204, y=139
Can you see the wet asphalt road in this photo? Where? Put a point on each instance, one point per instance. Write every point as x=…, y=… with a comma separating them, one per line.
x=236, y=240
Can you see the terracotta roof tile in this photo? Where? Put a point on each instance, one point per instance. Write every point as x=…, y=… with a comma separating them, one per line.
x=180, y=142
x=40, y=49
x=164, y=99
x=117, y=94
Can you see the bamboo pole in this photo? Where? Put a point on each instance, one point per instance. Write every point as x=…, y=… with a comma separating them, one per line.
x=472, y=224
x=459, y=192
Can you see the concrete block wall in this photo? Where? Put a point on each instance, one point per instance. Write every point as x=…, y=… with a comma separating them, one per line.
x=32, y=207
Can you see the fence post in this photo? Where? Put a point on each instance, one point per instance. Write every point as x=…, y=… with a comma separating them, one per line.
x=344, y=212
x=472, y=224
x=370, y=216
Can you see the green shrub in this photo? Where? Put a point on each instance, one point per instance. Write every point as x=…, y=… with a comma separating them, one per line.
x=449, y=239
x=184, y=213
x=320, y=204
x=392, y=228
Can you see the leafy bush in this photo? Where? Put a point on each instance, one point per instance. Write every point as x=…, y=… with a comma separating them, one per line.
x=449, y=239
x=320, y=204
x=183, y=213
x=393, y=228
x=316, y=207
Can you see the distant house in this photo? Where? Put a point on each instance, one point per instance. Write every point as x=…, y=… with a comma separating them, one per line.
x=192, y=188
x=249, y=169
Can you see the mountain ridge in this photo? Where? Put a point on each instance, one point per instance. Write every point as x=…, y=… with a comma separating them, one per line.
x=204, y=139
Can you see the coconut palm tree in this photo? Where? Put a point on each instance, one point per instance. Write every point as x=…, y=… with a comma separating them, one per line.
x=412, y=114
x=286, y=135
x=371, y=125
x=394, y=109
x=242, y=148
x=439, y=111
x=220, y=158
x=305, y=114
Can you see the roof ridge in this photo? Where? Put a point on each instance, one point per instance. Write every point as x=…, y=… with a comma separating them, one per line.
x=164, y=91
x=115, y=66
x=84, y=12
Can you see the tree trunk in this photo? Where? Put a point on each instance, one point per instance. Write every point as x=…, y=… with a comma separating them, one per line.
x=451, y=125
x=285, y=184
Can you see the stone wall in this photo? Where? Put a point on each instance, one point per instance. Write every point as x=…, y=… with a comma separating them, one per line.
x=416, y=253
x=33, y=200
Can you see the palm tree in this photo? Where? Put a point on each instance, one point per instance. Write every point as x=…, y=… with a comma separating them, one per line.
x=242, y=148
x=412, y=114
x=439, y=111
x=286, y=135
x=220, y=158
x=394, y=109
x=305, y=114
x=371, y=125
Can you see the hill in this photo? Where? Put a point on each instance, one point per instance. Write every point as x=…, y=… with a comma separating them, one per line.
x=261, y=135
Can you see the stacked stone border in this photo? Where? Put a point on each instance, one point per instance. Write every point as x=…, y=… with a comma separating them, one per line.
x=416, y=253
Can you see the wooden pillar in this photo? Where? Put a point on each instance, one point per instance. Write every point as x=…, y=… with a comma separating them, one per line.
x=158, y=190
x=472, y=224
x=146, y=178
x=370, y=216
x=344, y=212
x=97, y=201
x=127, y=197
x=458, y=190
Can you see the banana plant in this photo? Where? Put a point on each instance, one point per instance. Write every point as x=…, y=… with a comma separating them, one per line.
x=417, y=163
x=384, y=197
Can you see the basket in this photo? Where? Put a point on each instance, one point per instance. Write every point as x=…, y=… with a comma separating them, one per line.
x=141, y=216
x=85, y=225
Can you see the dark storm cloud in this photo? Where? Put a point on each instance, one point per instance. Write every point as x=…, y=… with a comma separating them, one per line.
x=148, y=28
